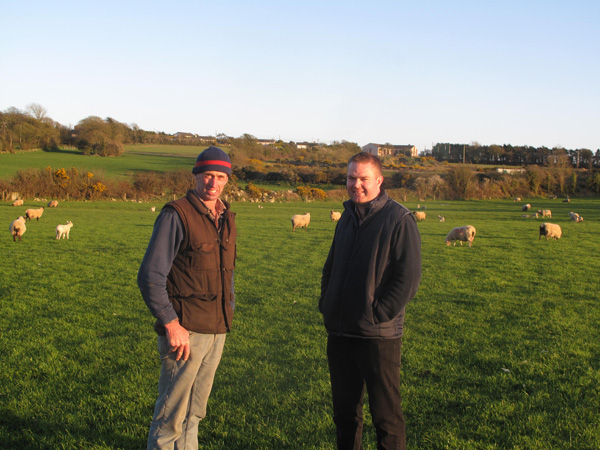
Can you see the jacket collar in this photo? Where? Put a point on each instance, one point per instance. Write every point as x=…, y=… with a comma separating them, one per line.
x=376, y=205
x=201, y=207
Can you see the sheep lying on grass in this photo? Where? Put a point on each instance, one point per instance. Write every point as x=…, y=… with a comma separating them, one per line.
x=31, y=214
x=526, y=207
x=334, y=215
x=53, y=204
x=460, y=234
x=300, y=220
x=17, y=228
x=420, y=215
x=545, y=213
x=153, y=208
x=442, y=218
x=63, y=230
x=18, y=202
x=550, y=230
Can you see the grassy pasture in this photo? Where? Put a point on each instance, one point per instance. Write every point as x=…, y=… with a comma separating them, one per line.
x=136, y=158
x=501, y=349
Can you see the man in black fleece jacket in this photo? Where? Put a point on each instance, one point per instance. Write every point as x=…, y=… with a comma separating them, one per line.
x=372, y=271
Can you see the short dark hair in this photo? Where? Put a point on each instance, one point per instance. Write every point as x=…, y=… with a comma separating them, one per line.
x=364, y=157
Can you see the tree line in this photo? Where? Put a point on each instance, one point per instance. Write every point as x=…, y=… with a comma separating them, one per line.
x=514, y=155
x=32, y=128
x=552, y=172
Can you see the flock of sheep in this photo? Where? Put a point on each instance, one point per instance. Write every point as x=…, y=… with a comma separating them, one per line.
x=464, y=233
x=460, y=234
x=18, y=226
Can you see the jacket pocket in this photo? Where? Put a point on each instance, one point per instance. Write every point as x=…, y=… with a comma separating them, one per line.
x=199, y=314
x=204, y=256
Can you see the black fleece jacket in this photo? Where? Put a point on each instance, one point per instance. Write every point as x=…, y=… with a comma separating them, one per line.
x=372, y=271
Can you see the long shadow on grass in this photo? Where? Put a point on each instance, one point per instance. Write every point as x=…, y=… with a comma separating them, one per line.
x=19, y=432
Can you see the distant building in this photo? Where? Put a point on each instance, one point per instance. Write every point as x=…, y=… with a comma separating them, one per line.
x=511, y=170
x=181, y=135
x=391, y=150
x=266, y=142
x=307, y=145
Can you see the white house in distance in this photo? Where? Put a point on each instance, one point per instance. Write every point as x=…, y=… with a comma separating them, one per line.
x=389, y=149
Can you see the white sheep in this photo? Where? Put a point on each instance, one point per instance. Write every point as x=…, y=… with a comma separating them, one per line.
x=17, y=228
x=153, y=208
x=334, y=215
x=465, y=233
x=34, y=213
x=53, y=204
x=526, y=207
x=18, y=202
x=550, y=230
x=545, y=213
x=300, y=220
x=575, y=217
x=420, y=215
x=442, y=218
x=63, y=230
x=517, y=199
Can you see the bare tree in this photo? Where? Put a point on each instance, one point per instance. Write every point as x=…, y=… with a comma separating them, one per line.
x=37, y=111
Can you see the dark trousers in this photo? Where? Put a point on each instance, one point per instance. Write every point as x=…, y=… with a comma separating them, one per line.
x=374, y=363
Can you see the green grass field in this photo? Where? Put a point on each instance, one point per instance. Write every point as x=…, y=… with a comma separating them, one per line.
x=501, y=348
x=157, y=158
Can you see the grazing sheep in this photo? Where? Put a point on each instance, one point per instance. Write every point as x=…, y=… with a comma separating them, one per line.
x=300, y=220
x=575, y=217
x=526, y=207
x=63, y=230
x=334, y=215
x=550, y=230
x=18, y=202
x=567, y=200
x=53, y=204
x=420, y=215
x=153, y=208
x=17, y=228
x=460, y=234
x=545, y=213
x=442, y=218
x=517, y=199
x=34, y=213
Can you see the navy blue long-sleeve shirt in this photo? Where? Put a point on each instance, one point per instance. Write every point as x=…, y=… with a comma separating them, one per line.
x=165, y=242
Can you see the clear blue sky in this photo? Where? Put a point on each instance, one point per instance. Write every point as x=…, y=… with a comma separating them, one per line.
x=520, y=72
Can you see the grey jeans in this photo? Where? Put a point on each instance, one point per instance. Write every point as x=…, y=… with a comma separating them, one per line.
x=183, y=390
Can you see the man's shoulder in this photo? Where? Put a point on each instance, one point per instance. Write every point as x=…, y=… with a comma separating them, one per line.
x=396, y=208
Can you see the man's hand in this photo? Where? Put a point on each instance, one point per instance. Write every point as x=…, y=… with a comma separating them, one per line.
x=179, y=340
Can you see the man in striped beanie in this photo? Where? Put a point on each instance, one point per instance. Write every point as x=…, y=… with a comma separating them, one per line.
x=186, y=280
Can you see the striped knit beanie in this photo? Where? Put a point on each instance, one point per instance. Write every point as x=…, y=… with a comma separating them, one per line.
x=212, y=159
